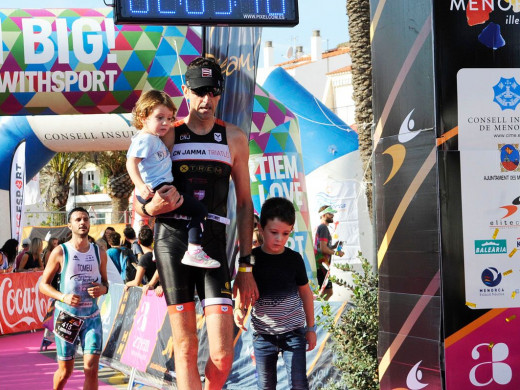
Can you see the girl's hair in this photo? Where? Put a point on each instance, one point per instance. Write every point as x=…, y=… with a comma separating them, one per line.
x=147, y=103
x=36, y=245
x=9, y=249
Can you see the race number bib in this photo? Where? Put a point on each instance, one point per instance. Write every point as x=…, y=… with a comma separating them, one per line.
x=67, y=327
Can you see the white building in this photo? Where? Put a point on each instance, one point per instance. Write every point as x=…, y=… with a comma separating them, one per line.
x=326, y=75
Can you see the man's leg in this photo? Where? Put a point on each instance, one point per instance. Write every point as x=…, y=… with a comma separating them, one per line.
x=64, y=371
x=220, y=337
x=91, y=367
x=185, y=345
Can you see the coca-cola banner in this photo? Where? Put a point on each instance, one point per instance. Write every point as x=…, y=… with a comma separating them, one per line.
x=22, y=307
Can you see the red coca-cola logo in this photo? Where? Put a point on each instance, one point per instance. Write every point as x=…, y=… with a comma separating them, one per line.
x=22, y=307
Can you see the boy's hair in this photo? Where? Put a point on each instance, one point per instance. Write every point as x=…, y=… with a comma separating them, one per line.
x=80, y=209
x=147, y=103
x=114, y=239
x=277, y=207
x=146, y=237
x=129, y=233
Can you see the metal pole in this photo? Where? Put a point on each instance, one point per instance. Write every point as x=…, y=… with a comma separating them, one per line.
x=203, y=54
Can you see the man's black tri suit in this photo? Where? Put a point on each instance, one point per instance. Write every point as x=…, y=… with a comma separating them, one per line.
x=201, y=166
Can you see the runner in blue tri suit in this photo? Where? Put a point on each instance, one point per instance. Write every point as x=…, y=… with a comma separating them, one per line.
x=82, y=267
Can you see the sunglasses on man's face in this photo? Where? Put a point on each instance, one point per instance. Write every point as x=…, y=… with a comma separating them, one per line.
x=203, y=91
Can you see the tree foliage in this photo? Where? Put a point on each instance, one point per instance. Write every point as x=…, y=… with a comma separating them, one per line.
x=119, y=185
x=56, y=177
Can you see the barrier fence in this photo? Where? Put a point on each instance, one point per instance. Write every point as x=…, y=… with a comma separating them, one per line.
x=138, y=340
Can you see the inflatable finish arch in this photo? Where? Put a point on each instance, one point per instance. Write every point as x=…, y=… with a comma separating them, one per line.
x=72, y=62
x=75, y=62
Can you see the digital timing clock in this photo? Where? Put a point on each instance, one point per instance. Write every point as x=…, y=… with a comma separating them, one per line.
x=207, y=12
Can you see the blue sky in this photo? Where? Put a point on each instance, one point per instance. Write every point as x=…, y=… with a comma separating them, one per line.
x=329, y=17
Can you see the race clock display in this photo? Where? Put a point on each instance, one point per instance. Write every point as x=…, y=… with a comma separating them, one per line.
x=207, y=12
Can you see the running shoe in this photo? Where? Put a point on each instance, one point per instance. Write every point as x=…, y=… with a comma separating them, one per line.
x=199, y=259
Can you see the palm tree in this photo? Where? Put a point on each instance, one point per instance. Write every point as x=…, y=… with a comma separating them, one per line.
x=119, y=184
x=358, y=12
x=56, y=177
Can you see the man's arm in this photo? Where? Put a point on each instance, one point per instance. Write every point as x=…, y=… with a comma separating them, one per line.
x=139, y=273
x=53, y=266
x=165, y=199
x=244, y=282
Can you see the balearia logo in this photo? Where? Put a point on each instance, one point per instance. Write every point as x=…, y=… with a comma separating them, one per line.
x=491, y=277
x=509, y=157
x=489, y=247
x=413, y=380
x=493, y=370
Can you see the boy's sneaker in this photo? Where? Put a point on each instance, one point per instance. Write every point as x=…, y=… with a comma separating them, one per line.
x=199, y=259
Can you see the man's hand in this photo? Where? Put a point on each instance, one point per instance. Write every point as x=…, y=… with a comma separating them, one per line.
x=246, y=288
x=159, y=291
x=165, y=199
x=97, y=290
x=71, y=299
x=239, y=317
x=340, y=253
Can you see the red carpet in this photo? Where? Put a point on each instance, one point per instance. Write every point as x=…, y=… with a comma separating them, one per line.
x=24, y=367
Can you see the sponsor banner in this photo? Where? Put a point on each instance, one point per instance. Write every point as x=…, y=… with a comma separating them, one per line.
x=108, y=306
x=489, y=117
x=415, y=365
x=485, y=353
x=143, y=335
x=76, y=61
x=489, y=139
x=141, y=338
x=124, y=318
x=22, y=307
x=489, y=235
x=276, y=168
x=236, y=49
x=17, y=190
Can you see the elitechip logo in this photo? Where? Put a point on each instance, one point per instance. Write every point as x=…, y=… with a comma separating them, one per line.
x=488, y=247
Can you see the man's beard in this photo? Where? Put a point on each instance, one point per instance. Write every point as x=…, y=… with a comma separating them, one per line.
x=329, y=220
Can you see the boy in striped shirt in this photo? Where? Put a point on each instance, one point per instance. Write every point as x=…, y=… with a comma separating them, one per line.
x=283, y=316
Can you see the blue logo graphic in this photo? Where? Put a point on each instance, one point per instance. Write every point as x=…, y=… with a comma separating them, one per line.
x=491, y=277
x=507, y=93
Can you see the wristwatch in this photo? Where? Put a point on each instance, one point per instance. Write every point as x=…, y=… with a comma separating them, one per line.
x=143, y=207
x=247, y=259
x=311, y=328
